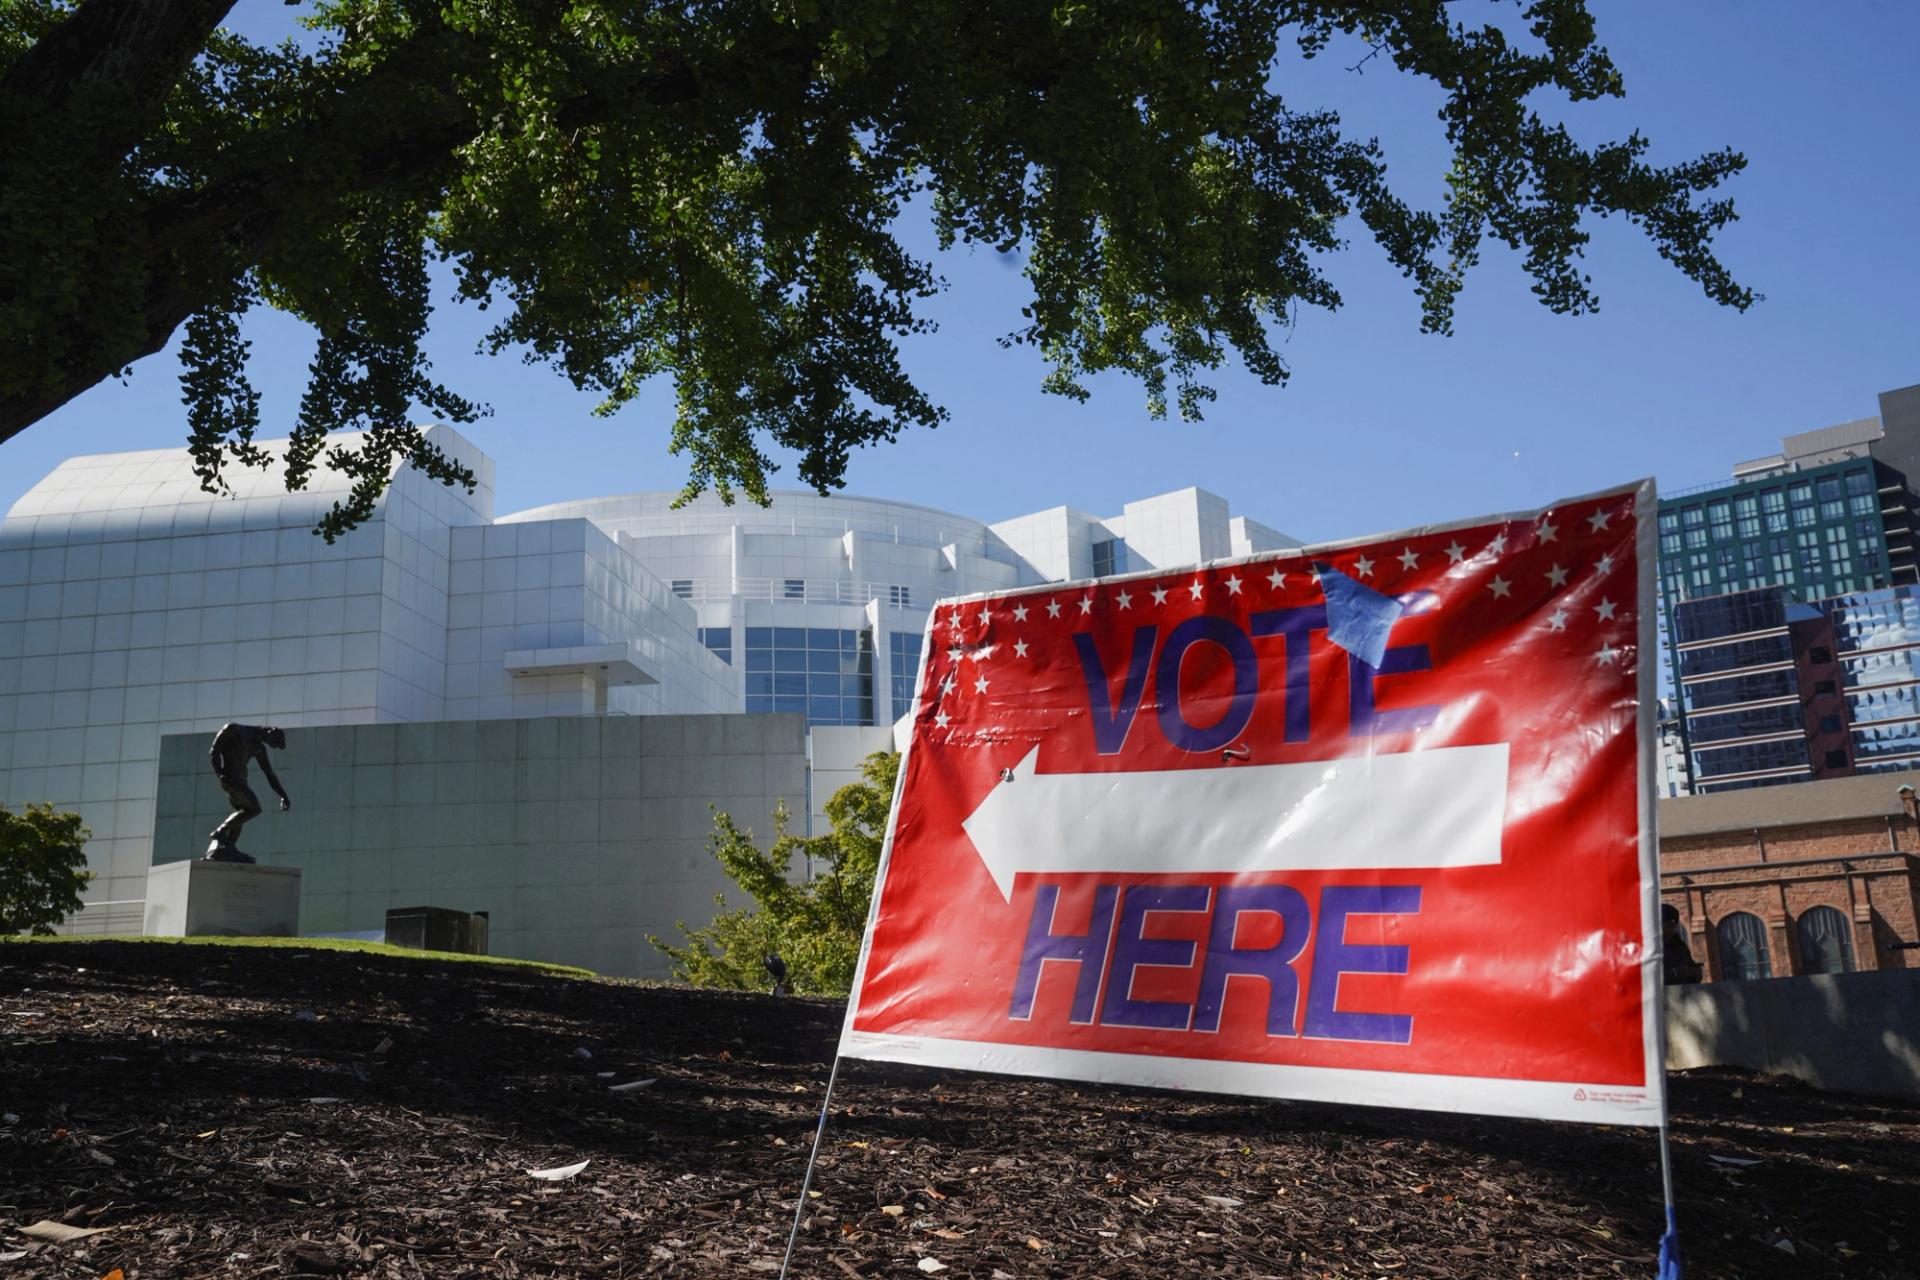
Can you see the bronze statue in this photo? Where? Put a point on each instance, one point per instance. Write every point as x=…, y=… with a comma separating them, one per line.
x=232, y=748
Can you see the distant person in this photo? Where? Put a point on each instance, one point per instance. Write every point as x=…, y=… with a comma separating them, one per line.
x=233, y=747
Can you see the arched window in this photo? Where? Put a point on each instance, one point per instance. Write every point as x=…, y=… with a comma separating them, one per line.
x=1743, y=947
x=1825, y=942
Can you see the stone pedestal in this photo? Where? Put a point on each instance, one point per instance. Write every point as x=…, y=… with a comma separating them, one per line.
x=222, y=899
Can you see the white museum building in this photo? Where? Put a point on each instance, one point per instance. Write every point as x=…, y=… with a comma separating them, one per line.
x=528, y=714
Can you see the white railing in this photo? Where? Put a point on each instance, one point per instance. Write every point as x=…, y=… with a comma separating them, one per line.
x=797, y=590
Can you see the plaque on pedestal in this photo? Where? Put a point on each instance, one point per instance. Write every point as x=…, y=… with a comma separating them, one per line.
x=222, y=899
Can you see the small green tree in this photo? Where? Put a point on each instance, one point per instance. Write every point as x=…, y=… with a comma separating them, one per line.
x=42, y=868
x=815, y=926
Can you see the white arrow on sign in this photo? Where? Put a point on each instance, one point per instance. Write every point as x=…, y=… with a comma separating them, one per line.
x=1439, y=808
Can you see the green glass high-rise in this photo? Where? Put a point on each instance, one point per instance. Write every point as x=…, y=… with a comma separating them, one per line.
x=1776, y=590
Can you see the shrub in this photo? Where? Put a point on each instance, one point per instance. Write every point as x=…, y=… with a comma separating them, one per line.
x=42, y=868
x=814, y=926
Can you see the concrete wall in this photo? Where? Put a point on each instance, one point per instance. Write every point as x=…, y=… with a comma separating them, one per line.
x=837, y=752
x=1858, y=1032
x=579, y=835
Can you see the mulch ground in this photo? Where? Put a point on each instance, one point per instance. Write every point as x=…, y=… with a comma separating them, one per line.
x=238, y=1113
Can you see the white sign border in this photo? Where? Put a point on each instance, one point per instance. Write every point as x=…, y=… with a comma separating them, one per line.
x=1644, y=1105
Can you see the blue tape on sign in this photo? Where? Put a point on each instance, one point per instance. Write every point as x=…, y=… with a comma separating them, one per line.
x=1358, y=617
x=1670, y=1250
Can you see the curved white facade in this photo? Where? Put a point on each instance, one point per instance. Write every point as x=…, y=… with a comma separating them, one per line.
x=133, y=605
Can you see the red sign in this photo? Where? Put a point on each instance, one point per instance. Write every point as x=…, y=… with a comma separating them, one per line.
x=1367, y=823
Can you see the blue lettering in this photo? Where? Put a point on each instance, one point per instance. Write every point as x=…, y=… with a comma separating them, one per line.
x=1181, y=732
x=1088, y=950
x=1363, y=720
x=1274, y=964
x=1296, y=626
x=1131, y=950
x=1109, y=726
x=1333, y=955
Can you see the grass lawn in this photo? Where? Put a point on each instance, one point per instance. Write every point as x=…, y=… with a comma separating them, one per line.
x=310, y=944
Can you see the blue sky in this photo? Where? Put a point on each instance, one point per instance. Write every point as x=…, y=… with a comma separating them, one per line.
x=1380, y=427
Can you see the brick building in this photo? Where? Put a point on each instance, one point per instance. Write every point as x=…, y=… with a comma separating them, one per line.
x=1781, y=881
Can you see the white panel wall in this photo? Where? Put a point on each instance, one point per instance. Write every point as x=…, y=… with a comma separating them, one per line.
x=134, y=604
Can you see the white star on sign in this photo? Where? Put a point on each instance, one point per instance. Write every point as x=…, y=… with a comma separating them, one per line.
x=1277, y=579
x=1124, y=600
x=980, y=685
x=941, y=719
x=1363, y=567
x=1086, y=604
x=1053, y=608
x=1500, y=586
x=1408, y=559
x=1499, y=544
x=1019, y=648
x=1159, y=595
x=1557, y=576
x=1197, y=587
x=1605, y=609
x=1233, y=586
x=1605, y=566
x=1547, y=531
x=953, y=655
x=946, y=686
x=1607, y=652
x=1455, y=552
x=984, y=617
x=1557, y=620
x=1019, y=613
x=984, y=652
x=1599, y=521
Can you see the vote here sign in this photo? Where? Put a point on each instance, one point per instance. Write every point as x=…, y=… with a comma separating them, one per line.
x=1367, y=823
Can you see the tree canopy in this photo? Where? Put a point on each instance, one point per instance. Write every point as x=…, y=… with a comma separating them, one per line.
x=712, y=193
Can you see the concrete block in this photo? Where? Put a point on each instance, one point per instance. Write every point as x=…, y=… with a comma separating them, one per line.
x=222, y=899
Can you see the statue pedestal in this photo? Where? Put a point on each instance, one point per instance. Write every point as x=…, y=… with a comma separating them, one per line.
x=222, y=899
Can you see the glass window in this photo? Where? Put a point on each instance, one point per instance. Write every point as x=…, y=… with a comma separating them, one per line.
x=1863, y=504
x=1751, y=757
x=1669, y=521
x=825, y=673
x=720, y=641
x=1726, y=725
x=1879, y=741
x=1756, y=651
x=794, y=589
x=900, y=597
x=1826, y=944
x=1109, y=557
x=683, y=587
x=1693, y=517
x=1720, y=518
x=1743, y=947
x=903, y=649
x=1800, y=494
x=1860, y=481
x=1731, y=615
